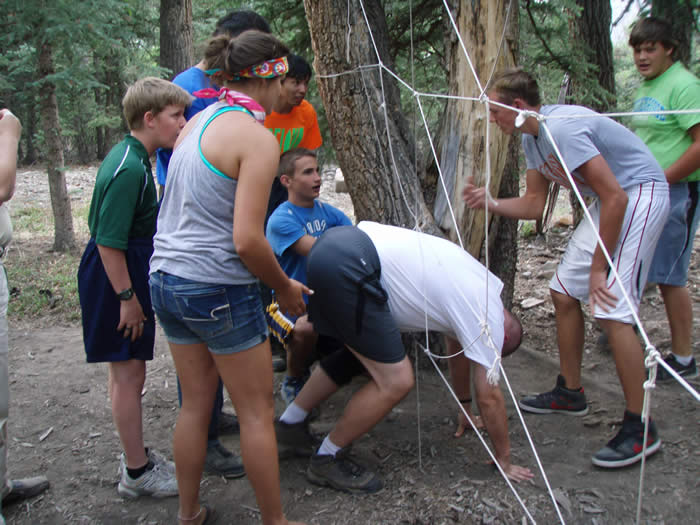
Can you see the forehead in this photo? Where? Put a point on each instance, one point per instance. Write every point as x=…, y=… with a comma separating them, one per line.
x=648, y=44
x=296, y=80
x=305, y=162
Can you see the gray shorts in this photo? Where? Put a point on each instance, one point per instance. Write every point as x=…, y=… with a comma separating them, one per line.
x=349, y=302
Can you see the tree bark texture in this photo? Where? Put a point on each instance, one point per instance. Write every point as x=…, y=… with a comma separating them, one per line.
x=370, y=135
x=462, y=141
x=680, y=14
x=593, y=27
x=176, y=51
x=64, y=238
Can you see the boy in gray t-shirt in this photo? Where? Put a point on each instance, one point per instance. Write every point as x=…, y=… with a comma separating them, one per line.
x=609, y=162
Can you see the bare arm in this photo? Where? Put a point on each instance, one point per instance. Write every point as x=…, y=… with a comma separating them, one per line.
x=687, y=163
x=257, y=168
x=303, y=245
x=131, y=315
x=10, y=131
x=460, y=374
x=493, y=412
x=613, y=203
x=530, y=205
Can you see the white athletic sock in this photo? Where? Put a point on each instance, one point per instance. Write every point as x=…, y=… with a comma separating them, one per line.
x=294, y=414
x=328, y=448
x=683, y=359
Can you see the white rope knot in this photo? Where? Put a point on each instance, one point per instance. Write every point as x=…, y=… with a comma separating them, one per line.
x=650, y=361
x=484, y=98
x=493, y=376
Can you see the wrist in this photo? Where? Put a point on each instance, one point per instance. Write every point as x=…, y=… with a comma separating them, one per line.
x=126, y=294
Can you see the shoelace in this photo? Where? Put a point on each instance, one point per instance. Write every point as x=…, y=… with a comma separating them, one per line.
x=349, y=466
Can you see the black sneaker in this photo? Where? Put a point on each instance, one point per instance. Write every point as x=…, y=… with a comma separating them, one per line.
x=626, y=447
x=561, y=400
x=341, y=472
x=689, y=370
x=228, y=424
x=295, y=440
x=223, y=462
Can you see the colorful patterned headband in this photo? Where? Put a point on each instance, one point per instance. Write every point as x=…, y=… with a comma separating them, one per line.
x=268, y=69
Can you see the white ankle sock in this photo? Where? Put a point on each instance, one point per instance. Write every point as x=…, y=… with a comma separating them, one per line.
x=683, y=359
x=293, y=414
x=328, y=448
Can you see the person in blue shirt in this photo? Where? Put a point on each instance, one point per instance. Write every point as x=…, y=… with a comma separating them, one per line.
x=219, y=460
x=292, y=230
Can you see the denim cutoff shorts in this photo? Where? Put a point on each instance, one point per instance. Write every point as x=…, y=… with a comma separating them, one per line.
x=228, y=318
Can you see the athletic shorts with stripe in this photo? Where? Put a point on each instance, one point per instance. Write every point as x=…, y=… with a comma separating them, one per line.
x=645, y=217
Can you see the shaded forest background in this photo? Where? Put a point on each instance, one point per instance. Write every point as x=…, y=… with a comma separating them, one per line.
x=65, y=65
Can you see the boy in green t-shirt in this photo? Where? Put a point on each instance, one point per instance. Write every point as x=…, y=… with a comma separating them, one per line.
x=118, y=322
x=674, y=139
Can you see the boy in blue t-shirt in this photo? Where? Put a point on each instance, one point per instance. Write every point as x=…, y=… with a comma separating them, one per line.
x=292, y=230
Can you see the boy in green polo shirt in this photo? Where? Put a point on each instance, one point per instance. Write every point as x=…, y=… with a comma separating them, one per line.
x=118, y=322
x=674, y=139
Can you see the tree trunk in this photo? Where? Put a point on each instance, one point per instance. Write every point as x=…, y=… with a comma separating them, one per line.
x=379, y=170
x=64, y=239
x=679, y=13
x=176, y=52
x=462, y=142
x=593, y=27
x=30, y=156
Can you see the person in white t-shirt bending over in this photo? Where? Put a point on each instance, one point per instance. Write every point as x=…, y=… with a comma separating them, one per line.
x=609, y=162
x=371, y=282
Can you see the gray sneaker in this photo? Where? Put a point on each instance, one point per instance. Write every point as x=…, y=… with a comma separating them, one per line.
x=154, y=457
x=342, y=472
x=159, y=459
x=157, y=482
x=223, y=462
x=295, y=440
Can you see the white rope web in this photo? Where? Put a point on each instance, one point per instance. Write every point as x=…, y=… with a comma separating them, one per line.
x=653, y=357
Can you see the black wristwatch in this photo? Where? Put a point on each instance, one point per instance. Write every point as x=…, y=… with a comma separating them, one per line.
x=125, y=295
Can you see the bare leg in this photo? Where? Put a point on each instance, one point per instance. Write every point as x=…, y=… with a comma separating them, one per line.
x=569, y=337
x=301, y=347
x=390, y=383
x=198, y=380
x=679, y=311
x=629, y=361
x=248, y=379
x=126, y=380
x=317, y=389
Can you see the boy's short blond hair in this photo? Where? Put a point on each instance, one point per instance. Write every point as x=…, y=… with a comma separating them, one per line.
x=154, y=95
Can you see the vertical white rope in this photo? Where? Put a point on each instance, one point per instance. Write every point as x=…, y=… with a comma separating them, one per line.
x=534, y=450
x=500, y=47
x=481, y=438
x=461, y=43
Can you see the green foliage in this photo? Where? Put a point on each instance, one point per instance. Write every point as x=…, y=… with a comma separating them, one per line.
x=548, y=51
x=97, y=47
x=527, y=229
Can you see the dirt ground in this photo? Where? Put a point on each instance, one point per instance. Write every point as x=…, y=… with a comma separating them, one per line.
x=60, y=426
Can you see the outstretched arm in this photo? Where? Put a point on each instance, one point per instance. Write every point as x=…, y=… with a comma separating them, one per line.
x=461, y=384
x=530, y=205
x=493, y=412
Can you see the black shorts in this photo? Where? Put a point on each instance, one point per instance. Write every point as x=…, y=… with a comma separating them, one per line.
x=349, y=302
